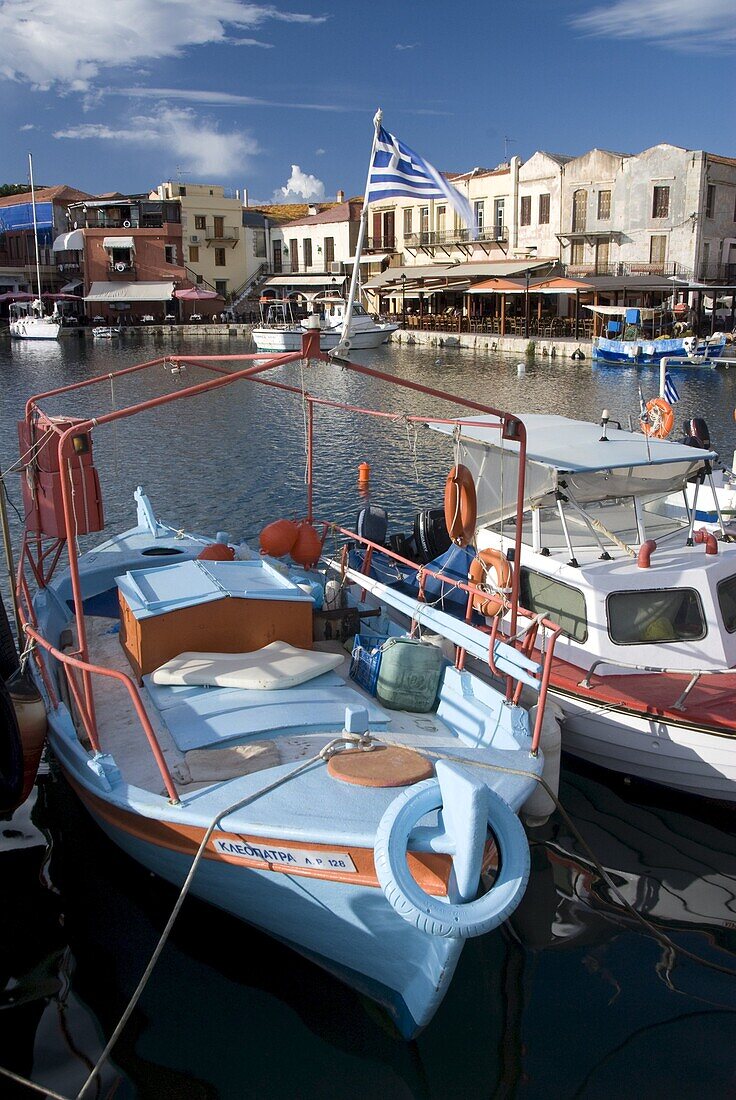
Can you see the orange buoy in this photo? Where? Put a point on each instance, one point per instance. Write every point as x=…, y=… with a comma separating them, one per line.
x=307, y=547
x=217, y=551
x=364, y=473
x=461, y=505
x=278, y=538
x=490, y=568
x=660, y=419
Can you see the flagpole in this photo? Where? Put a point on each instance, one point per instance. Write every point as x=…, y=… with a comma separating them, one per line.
x=343, y=348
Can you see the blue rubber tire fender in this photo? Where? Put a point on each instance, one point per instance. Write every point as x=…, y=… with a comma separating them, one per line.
x=434, y=915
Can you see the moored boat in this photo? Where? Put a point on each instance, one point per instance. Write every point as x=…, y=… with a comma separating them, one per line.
x=202, y=711
x=645, y=667
x=279, y=331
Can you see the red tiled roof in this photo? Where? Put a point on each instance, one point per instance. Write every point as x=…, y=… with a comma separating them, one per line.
x=60, y=194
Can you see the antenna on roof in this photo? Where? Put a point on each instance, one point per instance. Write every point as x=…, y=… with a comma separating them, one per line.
x=506, y=142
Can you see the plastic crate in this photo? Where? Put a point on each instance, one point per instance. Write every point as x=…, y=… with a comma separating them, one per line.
x=366, y=660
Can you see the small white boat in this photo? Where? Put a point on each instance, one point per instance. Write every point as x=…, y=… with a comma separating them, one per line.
x=105, y=332
x=28, y=325
x=279, y=331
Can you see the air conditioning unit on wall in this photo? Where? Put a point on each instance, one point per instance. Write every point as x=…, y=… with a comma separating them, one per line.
x=337, y=268
x=194, y=238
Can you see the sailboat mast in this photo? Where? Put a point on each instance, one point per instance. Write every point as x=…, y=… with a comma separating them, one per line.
x=35, y=231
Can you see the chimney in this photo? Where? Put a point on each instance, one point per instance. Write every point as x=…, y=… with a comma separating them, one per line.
x=340, y=196
x=312, y=210
x=245, y=196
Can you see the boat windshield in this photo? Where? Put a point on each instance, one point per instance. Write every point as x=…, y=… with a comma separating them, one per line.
x=655, y=615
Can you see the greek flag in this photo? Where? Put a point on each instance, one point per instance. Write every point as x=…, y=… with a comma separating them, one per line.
x=670, y=389
x=397, y=171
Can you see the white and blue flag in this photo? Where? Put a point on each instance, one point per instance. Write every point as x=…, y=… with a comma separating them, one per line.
x=670, y=389
x=397, y=172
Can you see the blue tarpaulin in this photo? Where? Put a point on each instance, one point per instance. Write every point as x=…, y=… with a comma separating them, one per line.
x=20, y=216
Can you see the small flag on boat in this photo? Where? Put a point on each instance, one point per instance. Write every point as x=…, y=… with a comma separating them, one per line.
x=398, y=171
x=670, y=389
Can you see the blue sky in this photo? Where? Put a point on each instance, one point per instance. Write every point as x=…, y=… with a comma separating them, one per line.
x=121, y=94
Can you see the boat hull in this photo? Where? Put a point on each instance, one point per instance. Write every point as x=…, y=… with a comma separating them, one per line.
x=272, y=340
x=35, y=328
x=648, y=352
x=349, y=930
x=683, y=756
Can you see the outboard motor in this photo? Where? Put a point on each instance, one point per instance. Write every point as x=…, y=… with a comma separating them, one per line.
x=372, y=523
x=431, y=536
x=697, y=433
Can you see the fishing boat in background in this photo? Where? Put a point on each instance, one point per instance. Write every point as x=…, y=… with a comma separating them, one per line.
x=362, y=806
x=280, y=331
x=630, y=340
x=28, y=321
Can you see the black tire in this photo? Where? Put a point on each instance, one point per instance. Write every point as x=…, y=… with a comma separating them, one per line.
x=11, y=755
x=8, y=653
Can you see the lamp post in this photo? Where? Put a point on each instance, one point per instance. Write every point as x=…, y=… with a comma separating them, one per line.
x=526, y=304
x=403, y=299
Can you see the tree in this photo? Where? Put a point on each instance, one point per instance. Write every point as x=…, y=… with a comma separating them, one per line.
x=18, y=188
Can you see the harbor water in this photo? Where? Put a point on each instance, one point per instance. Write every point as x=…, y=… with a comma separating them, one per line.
x=574, y=997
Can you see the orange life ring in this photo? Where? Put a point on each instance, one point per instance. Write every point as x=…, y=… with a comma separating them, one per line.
x=461, y=505
x=660, y=418
x=490, y=562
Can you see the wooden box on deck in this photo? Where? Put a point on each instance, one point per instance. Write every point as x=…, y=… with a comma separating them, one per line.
x=229, y=625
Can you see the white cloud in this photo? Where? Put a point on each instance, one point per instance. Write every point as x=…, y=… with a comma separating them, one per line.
x=300, y=186
x=28, y=126
x=248, y=42
x=218, y=99
x=194, y=143
x=319, y=152
x=406, y=45
x=47, y=43
x=678, y=24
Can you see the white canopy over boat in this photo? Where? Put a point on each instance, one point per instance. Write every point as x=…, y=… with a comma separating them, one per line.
x=569, y=453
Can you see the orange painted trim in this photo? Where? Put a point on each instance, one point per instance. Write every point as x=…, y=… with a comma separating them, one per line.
x=430, y=869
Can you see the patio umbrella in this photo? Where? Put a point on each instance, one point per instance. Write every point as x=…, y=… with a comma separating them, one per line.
x=63, y=297
x=17, y=296
x=196, y=294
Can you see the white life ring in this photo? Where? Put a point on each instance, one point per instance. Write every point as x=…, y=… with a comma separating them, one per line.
x=120, y=266
x=434, y=915
x=126, y=225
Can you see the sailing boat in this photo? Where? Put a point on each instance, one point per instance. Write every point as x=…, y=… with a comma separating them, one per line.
x=33, y=324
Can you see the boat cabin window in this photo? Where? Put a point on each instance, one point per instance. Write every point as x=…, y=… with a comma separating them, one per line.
x=727, y=603
x=562, y=603
x=655, y=615
x=358, y=310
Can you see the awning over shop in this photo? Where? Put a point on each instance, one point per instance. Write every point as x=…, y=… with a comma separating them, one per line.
x=296, y=280
x=118, y=242
x=72, y=287
x=451, y=276
x=621, y=311
x=130, y=292
x=70, y=242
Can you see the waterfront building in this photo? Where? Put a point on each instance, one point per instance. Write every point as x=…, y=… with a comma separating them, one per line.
x=17, y=246
x=128, y=253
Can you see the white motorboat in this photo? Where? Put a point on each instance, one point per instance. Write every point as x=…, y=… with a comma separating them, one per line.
x=279, y=331
x=644, y=670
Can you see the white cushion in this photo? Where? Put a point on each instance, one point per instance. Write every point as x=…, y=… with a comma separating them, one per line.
x=278, y=665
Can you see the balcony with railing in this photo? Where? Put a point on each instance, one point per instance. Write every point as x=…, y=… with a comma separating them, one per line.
x=379, y=244
x=718, y=273
x=121, y=269
x=221, y=234
x=625, y=268
x=490, y=234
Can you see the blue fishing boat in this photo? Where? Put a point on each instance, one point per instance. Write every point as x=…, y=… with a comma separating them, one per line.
x=360, y=804
x=639, y=351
